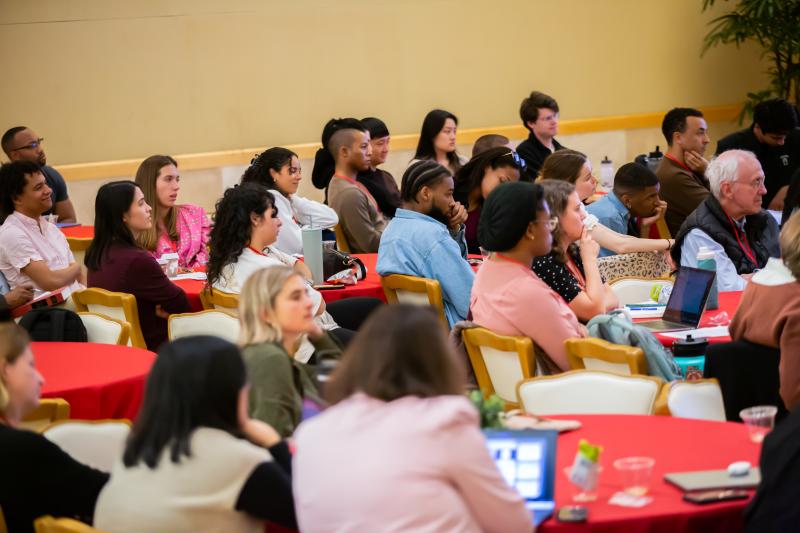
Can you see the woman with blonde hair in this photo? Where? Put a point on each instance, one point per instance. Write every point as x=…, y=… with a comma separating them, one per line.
x=276, y=315
x=38, y=477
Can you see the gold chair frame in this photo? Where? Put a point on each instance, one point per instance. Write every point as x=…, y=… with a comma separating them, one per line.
x=125, y=327
x=122, y=300
x=590, y=348
x=429, y=287
x=195, y=314
x=341, y=239
x=216, y=300
x=49, y=410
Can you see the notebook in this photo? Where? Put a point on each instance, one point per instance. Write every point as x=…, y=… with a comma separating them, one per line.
x=687, y=301
x=527, y=460
x=714, y=479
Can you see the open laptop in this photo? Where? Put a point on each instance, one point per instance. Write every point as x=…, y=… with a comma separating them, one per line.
x=687, y=301
x=527, y=461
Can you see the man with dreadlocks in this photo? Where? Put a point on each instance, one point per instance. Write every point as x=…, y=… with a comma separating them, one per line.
x=426, y=237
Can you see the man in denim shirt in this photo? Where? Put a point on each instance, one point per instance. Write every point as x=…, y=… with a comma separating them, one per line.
x=426, y=237
x=633, y=203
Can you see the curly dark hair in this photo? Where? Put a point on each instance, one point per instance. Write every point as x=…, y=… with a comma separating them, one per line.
x=470, y=176
x=231, y=232
x=272, y=159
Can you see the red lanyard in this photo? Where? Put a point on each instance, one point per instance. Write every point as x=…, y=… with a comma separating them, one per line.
x=362, y=188
x=576, y=272
x=744, y=245
x=511, y=260
x=256, y=251
x=679, y=163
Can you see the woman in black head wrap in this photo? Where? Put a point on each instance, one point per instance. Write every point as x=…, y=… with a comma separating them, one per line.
x=507, y=296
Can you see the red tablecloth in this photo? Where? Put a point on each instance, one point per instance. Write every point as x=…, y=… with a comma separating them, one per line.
x=98, y=380
x=367, y=287
x=677, y=445
x=79, y=232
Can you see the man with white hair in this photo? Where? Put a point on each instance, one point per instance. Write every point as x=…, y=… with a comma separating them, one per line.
x=730, y=222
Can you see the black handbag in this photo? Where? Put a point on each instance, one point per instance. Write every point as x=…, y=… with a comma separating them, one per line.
x=334, y=261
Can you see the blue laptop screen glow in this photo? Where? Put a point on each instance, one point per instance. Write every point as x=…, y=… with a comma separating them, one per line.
x=526, y=460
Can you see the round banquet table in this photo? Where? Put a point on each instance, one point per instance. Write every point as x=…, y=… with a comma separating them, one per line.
x=728, y=302
x=677, y=445
x=78, y=232
x=98, y=380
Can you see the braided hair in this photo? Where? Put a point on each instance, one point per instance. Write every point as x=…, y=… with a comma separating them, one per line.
x=421, y=174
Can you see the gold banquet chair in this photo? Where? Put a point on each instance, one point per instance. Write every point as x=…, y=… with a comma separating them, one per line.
x=208, y=322
x=214, y=299
x=597, y=354
x=103, y=329
x=403, y=289
x=48, y=524
x=96, y=443
x=341, y=239
x=49, y=410
x=118, y=305
x=700, y=399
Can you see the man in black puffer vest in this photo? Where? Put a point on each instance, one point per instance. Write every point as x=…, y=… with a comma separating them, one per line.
x=730, y=222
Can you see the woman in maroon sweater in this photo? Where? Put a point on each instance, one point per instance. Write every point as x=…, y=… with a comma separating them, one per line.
x=116, y=263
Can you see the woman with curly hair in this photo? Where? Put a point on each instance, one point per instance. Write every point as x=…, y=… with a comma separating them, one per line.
x=278, y=169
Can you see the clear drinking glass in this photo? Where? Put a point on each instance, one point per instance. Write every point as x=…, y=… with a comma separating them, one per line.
x=635, y=473
x=759, y=420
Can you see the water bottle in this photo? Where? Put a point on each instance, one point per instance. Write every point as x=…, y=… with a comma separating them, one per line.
x=654, y=159
x=606, y=174
x=705, y=260
x=312, y=251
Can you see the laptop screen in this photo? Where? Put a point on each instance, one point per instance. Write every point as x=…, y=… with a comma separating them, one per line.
x=689, y=295
x=526, y=460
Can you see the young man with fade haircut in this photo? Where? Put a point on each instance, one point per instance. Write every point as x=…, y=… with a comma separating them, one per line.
x=21, y=143
x=426, y=237
x=632, y=206
x=539, y=114
x=682, y=171
x=730, y=222
x=378, y=182
x=360, y=218
x=490, y=140
x=774, y=139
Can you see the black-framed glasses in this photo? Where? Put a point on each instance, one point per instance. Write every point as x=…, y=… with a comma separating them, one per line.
x=30, y=146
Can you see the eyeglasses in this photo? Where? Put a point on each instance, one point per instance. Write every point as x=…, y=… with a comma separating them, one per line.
x=759, y=183
x=30, y=146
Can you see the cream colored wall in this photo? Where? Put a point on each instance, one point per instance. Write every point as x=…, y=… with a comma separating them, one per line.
x=114, y=79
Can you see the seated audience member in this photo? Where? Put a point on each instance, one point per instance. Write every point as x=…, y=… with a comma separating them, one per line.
x=571, y=268
x=181, y=229
x=39, y=478
x=22, y=144
x=682, y=170
x=195, y=461
x=380, y=184
x=491, y=140
x=116, y=263
x=276, y=313
x=278, y=169
x=437, y=141
x=33, y=252
x=769, y=313
x=11, y=298
x=477, y=179
x=730, y=222
x=775, y=141
x=348, y=152
x=399, y=419
x=575, y=168
x=792, y=200
x=539, y=114
x=633, y=205
x=516, y=225
x=426, y=237
x=245, y=229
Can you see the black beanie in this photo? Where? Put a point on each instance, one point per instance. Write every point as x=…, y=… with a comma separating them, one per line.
x=506, y=213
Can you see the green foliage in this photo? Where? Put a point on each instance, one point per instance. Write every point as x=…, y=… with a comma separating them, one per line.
x=489, y=409
x=774, y=25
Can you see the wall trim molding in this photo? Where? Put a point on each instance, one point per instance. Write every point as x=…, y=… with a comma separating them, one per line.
x=197, y=161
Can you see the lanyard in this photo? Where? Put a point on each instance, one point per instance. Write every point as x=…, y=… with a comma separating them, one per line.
x=576, y=272
x=256, y=251
x=679, y=163
x=511, y=260
x=743, y=245
x=362, y=188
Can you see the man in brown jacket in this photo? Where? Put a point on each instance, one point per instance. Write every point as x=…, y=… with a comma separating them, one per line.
x=681, y=172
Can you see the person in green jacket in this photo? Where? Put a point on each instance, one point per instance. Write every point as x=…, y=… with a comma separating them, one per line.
x=276, y=314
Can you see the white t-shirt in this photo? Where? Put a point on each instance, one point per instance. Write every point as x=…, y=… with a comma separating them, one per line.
x=295, y=212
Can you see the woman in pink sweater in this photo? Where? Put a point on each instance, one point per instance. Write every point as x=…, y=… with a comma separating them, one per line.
x=401, y=448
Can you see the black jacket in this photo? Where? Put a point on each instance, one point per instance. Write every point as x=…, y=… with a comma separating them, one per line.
x=534, y=153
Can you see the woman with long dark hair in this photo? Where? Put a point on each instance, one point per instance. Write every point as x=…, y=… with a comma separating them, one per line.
x=117, y=263
x=278, y=169
x=195, y=461
x=437, y=140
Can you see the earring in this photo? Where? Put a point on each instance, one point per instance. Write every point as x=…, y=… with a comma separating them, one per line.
x=532, y=237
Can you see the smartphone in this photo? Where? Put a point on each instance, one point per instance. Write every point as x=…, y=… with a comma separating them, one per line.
x=713, y=496
x=573, y=513
x=328, y=287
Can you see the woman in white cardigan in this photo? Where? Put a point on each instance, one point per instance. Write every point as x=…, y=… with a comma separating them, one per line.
x=278, y=169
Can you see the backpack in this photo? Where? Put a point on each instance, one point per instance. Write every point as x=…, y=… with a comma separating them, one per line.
x=617, y=327
x=54, y=324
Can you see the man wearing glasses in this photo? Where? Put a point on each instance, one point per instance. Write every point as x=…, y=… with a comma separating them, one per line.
x=730, y=222
x=22, y=144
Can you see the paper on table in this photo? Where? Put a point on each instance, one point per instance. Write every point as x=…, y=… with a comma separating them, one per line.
x=647, y=313
x=715, y=331
x=200, y=276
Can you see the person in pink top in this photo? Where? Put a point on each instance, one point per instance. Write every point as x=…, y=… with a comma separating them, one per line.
x=400, y=449
x=181, y=229
x=507, y=296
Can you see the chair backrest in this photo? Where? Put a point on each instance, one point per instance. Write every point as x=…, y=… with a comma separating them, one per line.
x=48, y=524
x=209, y=322
x=597, y=354
x=499, y=362
x=214, y=299
x=341, y=239
x=701, y=399
x=589, y=392
x=97, y=443
x=49, y=410
x=400, y=288
x=635, y=290
x=118, y=305
x=104, y=329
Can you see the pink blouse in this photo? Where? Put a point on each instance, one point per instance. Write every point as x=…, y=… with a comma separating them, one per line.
x=193, y=234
